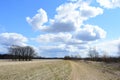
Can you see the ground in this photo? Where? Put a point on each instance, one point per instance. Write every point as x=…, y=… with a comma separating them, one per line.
x=58, y=70
x=86, y=70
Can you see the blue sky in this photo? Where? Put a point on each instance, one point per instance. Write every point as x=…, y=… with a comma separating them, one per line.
x=60, y=27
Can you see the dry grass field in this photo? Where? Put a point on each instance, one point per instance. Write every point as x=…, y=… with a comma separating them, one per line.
x=58, y=70
x=35, y=70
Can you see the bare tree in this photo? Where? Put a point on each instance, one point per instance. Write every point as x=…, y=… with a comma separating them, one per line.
x=119, y=50
x=93, y=53
x=13, y=51
x=105, y=56
x=30, y=52
x=22, y=53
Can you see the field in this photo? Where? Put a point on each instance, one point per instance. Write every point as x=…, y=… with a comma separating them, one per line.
x=35, y=70
x=58, y=70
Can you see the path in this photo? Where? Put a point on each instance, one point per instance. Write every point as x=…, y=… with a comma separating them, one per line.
x=85, y=71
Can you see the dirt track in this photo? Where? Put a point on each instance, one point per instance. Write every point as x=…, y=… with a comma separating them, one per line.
x=88, y=71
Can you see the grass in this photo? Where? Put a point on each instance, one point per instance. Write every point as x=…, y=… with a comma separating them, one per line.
x=58, y=70
x=35, y=70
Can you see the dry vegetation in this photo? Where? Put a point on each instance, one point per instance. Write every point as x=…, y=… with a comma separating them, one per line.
x=35, y=70
x=58, y=70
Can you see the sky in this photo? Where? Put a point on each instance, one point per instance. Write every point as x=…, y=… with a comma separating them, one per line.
x=61, y=27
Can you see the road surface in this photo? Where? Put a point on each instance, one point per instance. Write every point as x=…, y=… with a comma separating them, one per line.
x=88, y=71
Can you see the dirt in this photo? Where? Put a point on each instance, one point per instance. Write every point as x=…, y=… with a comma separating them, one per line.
x=91, y=71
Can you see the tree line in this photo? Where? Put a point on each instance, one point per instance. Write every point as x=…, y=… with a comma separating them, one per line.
x=21, y=53
x=27, y=53
x=93, y=55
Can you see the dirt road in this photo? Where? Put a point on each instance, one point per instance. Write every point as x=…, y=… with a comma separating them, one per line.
x=88, y=71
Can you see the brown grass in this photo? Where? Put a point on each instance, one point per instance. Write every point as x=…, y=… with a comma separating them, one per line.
x=35, y=70
x=58, y=70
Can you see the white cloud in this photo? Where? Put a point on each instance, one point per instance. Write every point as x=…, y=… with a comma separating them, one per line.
x=90, y=33
x=3, y=49
x=89, y=11
x=60, y=37
x=38, y=20
x=8, y=39
x=109, y=3
x=65, y=31
x=65, y=38
x=68, y=13
x=60, y=27
x=61, y=50
x=76, y=49
x=74, y=41
x=111, y=47
x=69, y=17
x=54, y=50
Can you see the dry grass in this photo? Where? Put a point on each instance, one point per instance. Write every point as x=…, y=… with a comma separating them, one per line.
x=35, y=70
x=58, y=70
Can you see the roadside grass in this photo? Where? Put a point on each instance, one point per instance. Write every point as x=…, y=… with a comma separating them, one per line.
x=107, y=68
x=102, y=70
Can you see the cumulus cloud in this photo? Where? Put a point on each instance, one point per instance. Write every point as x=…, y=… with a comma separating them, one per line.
x=109, y=3
x=74, y=41
x=65, y=38
x=68, y=13
x=3, y=49
x=60, y=37
x=111, y=47
x=8, y=39
x=38, y=20
x=69, y=17
x=61, y=50
x=90, y=33
x=89, y=11
x=74, y=48
x=60, y=27
x=66, y=31
x=54, y=50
